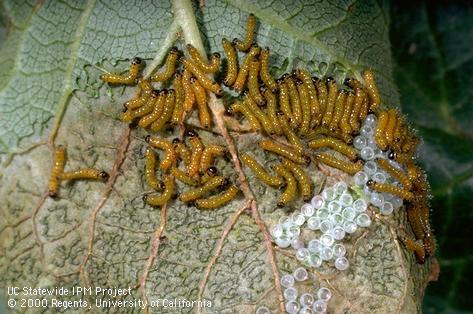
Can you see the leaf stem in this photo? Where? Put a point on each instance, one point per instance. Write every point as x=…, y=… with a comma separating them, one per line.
x=184, y=15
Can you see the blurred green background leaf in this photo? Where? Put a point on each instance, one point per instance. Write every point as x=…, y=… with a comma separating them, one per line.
x=432, y=46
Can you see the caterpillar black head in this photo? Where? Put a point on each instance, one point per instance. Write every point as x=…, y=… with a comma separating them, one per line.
x=212, y=171
x=136, y=61
x=174, y=50
x=176, y=140
x=191, y=133
x=104, y=175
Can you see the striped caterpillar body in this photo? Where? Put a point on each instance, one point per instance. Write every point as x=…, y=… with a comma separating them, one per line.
x=165, y=196
x=336, y=145
x=302, y=177
x=284, y=151
x=128, y=79
x=260, y=172
x=197, y=149
x=245, y=44
x=291, y=185
x=210, y=67
x=391, y=189
x=150, y=170
x=86, y=173
x=170, y=67
x=201, y=191
x=232, y=63
x=218, y=200
x=57, y=169
x=348, y=167
x=169, y=157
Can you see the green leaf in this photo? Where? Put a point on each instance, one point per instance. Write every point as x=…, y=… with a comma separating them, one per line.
x=51, y=57
x=432, y=50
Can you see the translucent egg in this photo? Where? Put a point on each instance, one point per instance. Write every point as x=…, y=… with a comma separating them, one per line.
x=376, y=199
x=337, y=219
x=363, y=220
x=387, y=196
x=341, y=263
x=346, y=199
x=329, y=194
x=283, y=241
x=360, y=142
x=306, y=310
x=397, y=202
x=297, y=243
x=324, y=294
x=370, y=168
x=349, y=227
x=293, y=231
x=314, y=246
x=379, y=177
x=314, y=260
x=326, y=239
x=302, y=254
x=308, y=210
x=338, y=233
x=326, y=253
x=340, y=187
x=349, y=213
x=322, y=213
x=326, y=225
x=292, y=307
x=263, y=310
x=313, y=223
x=287, y=281
x=371, y=120
x=360, y=205
x=367, y=153
x=300, y=274
x=339, y=250
x=366, y=131
x=298, y=218
x=317, y=201
x=334, y=207
x=306, y=299
x=320, y=306
x=290, y=293
x=276, y=231
x=286, y=222
x=371, y=142
x=387, y=208
x=360, y=178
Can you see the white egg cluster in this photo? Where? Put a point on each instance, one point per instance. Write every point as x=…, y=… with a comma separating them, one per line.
x=335, y=213
x=305, y=303
x=369, y=152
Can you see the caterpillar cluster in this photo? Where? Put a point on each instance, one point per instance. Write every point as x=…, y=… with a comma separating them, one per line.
x=58, y=174
x=302, y=118
x=395, y=136
x=197, y=172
